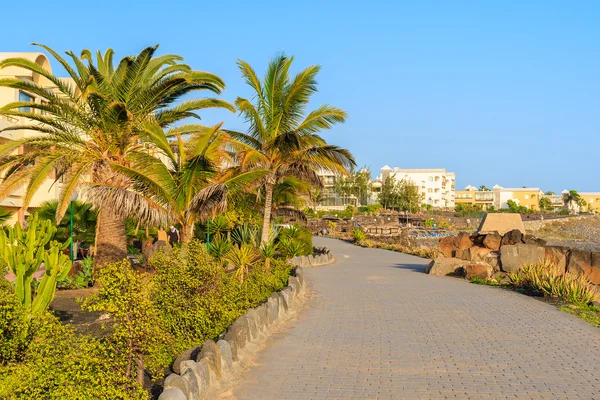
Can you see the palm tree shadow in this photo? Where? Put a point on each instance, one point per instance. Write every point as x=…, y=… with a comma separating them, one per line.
x=411, y=267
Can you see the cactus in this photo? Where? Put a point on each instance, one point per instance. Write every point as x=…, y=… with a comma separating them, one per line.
x=24, y=252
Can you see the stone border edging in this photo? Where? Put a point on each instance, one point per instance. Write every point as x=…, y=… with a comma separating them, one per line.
x=313, y=260
x=193, y=379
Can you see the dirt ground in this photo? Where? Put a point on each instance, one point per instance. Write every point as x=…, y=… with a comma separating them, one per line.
x=67, y=306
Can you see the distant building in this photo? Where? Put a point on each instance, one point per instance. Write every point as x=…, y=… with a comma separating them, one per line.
x=329, y=199
x=48, y=190
x=435, y=185
x=499, y=197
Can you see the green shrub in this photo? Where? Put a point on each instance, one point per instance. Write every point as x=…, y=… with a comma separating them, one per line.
x=14, y=325
x=294, y=234
x=125, y=295
x=291, y=247
x=358, y=235
x=58, y=363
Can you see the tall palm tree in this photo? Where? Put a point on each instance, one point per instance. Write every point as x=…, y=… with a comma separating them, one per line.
x=91, y=132
x=281, y=139
x=185, y=182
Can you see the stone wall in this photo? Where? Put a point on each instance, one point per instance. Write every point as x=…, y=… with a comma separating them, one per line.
x=198, y=371
x=492, y=255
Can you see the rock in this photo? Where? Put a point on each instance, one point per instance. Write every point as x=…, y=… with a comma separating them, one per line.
x=191, y=374
x=478, y=253
x=172, y=394
x=189, y=354
x=176, y=381
x=582, y=262
x=463, y=254
x=212, y=353
x=226, y=358
x=324, y=231
x=502, y=277
x=513, y=237
x=492, y=241
x=288, y=297
x=155, y=248
x=252, y=319
x=262, y=317
x=443, y=266
x=208, y=373
x=501, y=223
x=512, y=257
x=463, y=241
x=273, y=308
x=480, y=270
x=493, y=260
x=446, y=246
x=558, y=256
x=530, y=239
x=238, y=334
x=283, y=305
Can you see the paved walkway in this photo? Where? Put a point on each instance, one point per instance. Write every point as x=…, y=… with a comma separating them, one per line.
x=379, y=328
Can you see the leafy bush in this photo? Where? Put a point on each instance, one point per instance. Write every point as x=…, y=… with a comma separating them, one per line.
x=197, y=300
x=296, y=233
x=58, y=363
x=242, y=257
x=83, y=279
x=13, y=324
x=125, y=295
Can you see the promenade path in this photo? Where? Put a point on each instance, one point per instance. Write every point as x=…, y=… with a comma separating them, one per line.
x=377, y=327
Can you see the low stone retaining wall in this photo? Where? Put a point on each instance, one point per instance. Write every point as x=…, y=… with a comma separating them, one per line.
x=314, y=260
x=202, y=368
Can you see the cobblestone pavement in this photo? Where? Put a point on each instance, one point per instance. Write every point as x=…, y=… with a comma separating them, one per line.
x=379, y=328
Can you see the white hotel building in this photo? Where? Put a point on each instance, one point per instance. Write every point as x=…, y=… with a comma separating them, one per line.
x=436, y=186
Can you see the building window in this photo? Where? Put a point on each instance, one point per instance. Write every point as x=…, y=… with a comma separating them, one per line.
x=526, y=197
x=431, y=179
x=429, y=190
x=25, y=98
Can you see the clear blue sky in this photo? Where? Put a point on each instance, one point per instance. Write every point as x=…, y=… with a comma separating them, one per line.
x=503, y=92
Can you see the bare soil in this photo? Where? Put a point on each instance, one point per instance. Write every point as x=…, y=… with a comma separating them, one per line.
x=581, y=234
x=67, y=307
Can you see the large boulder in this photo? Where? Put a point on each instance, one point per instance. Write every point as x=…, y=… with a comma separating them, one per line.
x=512, y=257
x=585, y=263
x=463, y=254
x=492, y=241
x=212, y=353
x=443, y=266
x=513, y=237
x=558, y=256
x=493, y=259
x=463, y=241
x=478, y=253
x=446, y=246
x=501, y=223
x=479, y=269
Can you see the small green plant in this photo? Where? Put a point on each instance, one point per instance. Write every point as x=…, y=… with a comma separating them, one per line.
x=359, y=235
x=245, y=233
x=268, y=251
x=331, y=226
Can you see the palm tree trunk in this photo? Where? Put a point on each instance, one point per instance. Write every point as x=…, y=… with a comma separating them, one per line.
x=111, y=240
x=187, y=232
x=267, y=214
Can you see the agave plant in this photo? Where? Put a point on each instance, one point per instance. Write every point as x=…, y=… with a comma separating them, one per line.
x=291, y=247
x=292, y=232
x=245, y=233
x=268, y=251
x=219, y=248
x=242, y=257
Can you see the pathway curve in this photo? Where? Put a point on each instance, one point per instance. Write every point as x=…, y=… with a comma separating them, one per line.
x=379, y=328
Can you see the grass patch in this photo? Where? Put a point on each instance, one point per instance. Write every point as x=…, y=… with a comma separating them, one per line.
x=590, y=314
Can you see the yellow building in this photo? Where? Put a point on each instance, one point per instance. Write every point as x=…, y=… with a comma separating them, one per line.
x=471, y=195
x=592, y=199
x=48, y=190
x=499, y=197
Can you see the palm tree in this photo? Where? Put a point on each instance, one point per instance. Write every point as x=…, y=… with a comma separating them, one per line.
x=84, y=220
x=483, y=188
x=573, y=198
x=90, y=132
x=281, y=140
x=185, y=183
